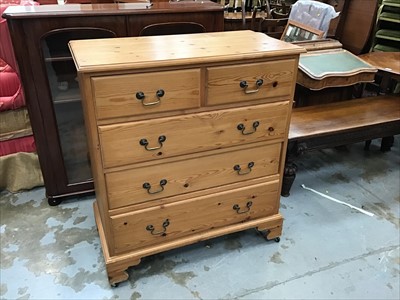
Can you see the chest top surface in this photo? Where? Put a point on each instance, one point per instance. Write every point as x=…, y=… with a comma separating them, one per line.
x=135, y=7
x=172, y=50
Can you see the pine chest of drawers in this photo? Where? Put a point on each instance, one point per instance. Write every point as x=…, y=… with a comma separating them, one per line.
x=187, y=137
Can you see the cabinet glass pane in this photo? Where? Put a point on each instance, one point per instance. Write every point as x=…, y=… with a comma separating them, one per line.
x=73, y=144
x=64, y=88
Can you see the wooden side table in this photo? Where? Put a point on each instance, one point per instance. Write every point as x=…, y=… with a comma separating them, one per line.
x=323, y=125
x=388, y=65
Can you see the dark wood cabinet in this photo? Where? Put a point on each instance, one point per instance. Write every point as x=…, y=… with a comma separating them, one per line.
x=40, y=35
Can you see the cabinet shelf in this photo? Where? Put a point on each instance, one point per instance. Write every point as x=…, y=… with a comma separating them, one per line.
x=387, y=34
x=394, y=3
x=385, y=48
x=390, y=17
x=60, y=57
x=70, y=95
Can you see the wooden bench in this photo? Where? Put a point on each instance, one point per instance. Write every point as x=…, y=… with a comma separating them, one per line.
x=340, y=123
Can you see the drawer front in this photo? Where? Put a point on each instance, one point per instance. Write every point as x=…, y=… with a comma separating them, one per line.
x=157, y=225
x=129, y=95
x=249, y=82
x=164, y=180
x=167, y=137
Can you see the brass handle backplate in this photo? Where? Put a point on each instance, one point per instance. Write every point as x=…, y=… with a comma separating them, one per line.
x=147, y=186
x=244, y=85
x=145, y=143
x=242, y=128
x=237, y=208
x=239, y=170
x=141, y=97
x=161, y=232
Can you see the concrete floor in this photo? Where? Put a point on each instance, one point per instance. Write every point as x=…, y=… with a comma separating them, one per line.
x=327, y=250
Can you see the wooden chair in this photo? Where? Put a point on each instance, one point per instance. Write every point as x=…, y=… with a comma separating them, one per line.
x=172, y=28
x=239, y=14
x=259, y=13
x=271, y=27
x=277, y=14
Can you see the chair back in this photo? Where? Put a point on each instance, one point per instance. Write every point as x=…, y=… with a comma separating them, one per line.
x=272, y=27
x=277, y=14
x=172, y=28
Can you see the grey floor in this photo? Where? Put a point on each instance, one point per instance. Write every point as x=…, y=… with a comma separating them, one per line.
x=327, y=250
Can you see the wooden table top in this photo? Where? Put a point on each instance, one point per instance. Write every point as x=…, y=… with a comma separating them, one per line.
x=384, y=61
x=136, y=7
x=325, y=119
x=181, y=49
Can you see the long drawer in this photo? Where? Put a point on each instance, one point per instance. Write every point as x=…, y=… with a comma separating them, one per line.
x=160, y=224
x=134, y=94
x=164, y=180
x=267, y=81
x=134, y=142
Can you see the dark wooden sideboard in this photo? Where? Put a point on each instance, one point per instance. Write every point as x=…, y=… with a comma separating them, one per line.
x=40, y=35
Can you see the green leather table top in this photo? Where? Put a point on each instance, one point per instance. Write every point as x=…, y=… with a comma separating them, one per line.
x=319, y=65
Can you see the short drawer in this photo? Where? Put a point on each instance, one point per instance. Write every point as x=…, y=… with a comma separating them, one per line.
x=129, y=95
x=262, y=81
x=157, y=225
x=164, y=180
x=148, y=140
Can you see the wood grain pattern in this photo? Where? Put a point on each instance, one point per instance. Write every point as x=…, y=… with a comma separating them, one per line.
x=117, y=264
x=333, y=81
x=183, y=49
x=95, y=157
x=384, y=61
x=193, y=216
x=191, y=133
x=95, y=9
x=115, y=96
x=126, y=187
x=223, y=85
x=318, y=119
x=216, y=171
x=357, y=24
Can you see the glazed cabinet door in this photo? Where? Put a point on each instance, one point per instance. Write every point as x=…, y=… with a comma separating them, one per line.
x=56, y=108
x=65, y=97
